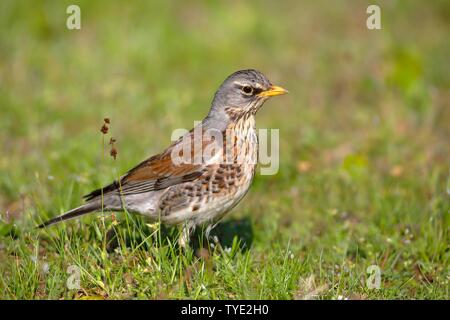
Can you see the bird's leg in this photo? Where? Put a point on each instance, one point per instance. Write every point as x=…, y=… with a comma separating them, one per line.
x=183, y=241
x=208, y=231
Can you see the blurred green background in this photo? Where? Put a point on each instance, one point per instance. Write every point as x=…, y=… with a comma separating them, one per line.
x=364, y=132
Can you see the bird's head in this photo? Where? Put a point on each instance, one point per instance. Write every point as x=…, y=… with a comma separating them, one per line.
x=244, y=92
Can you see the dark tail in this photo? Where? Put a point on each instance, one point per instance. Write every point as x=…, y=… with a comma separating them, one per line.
x=81, y=210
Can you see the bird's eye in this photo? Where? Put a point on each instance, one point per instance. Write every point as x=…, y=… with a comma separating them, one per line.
x=247, y=90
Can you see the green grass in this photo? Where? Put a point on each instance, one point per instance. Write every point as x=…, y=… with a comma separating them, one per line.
x=364, y=147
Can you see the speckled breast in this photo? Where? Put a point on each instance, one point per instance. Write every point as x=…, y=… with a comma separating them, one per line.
x=223, y=183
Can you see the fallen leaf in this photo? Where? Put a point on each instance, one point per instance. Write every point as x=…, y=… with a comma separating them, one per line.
x=308, y=290
x=304, y=166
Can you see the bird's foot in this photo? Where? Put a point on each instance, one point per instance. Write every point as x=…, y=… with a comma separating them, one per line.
x=212, y=240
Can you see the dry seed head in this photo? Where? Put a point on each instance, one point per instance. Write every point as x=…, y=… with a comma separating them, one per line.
x=104, y=129
x=113, y=153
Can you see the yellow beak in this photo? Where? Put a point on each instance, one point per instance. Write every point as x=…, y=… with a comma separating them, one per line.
x=273, y=91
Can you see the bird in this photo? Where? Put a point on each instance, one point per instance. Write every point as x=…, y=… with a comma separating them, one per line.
x=201, y=176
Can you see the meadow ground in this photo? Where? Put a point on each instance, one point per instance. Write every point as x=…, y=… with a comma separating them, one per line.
x=364, y=147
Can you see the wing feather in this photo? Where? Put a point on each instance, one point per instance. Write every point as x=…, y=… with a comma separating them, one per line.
x=156, y=173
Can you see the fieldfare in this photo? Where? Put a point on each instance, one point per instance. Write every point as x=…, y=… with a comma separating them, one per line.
x=202, y=175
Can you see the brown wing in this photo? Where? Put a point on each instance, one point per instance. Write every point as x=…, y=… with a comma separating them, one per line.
x=155, y=173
